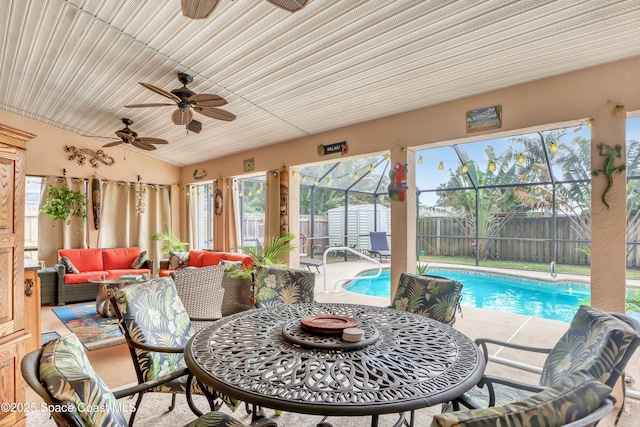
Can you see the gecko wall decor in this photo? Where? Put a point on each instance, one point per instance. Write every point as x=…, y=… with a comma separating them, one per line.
x=610, y=155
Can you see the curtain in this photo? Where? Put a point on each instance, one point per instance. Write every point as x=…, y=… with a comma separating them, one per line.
x=132, y=213
x=230, y=231
x=56, y=234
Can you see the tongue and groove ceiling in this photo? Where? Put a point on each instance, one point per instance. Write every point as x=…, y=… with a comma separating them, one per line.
x=75, y=64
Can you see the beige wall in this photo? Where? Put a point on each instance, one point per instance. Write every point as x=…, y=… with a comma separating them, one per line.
x=46, y=156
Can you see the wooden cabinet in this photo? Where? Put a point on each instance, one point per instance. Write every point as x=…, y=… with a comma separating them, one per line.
x=12, y=326
x=31, y=294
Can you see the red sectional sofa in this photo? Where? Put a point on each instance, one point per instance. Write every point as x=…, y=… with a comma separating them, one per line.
x=92, y=264
x=205, y=258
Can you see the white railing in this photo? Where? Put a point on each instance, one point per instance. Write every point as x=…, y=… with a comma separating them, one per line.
x=344, y=279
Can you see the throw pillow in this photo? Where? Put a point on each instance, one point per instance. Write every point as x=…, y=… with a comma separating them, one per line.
x=140, y=260
x=574, y=397
x=178, y=260
x=230, y=265
x=71, y=269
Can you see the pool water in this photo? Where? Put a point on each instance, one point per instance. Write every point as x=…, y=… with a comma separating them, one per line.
x=556, y=301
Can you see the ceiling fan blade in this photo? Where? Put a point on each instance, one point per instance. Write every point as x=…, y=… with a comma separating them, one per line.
x=207, y=100
x=125, y=136
x=113, y=144
x=215, y=113
x=152, y=140
x=290, y=5
x=182, y=117
x=143, y=145
x=198, y=9
x=160, y=91
x=147, y=105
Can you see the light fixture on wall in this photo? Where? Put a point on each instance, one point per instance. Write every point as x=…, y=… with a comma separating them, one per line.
x=618, y=109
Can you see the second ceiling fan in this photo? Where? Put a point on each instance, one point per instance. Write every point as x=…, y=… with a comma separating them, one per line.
x=128, y=136
x=187, y=102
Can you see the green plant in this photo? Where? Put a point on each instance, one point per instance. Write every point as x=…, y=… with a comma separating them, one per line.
x=632, y=302
x=267, y=254
x=170, y=243
x=422, y=268
x=62, y=202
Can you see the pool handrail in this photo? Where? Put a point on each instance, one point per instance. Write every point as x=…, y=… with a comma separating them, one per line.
x=344, y=279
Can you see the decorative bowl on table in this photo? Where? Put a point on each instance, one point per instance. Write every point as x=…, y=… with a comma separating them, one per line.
x=328, y=323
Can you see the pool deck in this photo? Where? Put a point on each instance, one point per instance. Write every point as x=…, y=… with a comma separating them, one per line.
x=476, y=323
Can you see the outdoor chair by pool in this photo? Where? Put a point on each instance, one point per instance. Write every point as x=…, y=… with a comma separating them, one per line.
x=60, y=373
x=201, y=293
x=599, y=342
x=277, y=286
x=379, y=244
x=577, y=400
x=435, y=297
x=157, y=328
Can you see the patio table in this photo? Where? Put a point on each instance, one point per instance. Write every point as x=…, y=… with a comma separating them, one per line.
x=404, y=361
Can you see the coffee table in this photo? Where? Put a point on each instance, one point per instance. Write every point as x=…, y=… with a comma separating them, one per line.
x=108, y=289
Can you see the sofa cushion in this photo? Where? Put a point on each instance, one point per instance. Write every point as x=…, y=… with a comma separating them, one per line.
x=68, y=265
x=84, y=259
x=119, y=258
x=212, y=258
x=247, y=261
x=230, y=265
x=178, y=260
x=196, y=258
x=86, y=276
x=140, y=260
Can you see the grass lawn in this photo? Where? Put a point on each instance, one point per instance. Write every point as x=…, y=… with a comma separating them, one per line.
x=516, y=265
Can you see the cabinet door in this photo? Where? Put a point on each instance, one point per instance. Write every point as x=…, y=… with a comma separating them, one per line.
x=12, y=335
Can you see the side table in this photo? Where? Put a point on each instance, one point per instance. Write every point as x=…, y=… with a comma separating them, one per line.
x=48, y=285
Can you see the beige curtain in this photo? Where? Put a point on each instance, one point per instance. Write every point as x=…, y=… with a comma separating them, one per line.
x=229, y=229
x=56, y=234
x=131, y=214
x=272, y=206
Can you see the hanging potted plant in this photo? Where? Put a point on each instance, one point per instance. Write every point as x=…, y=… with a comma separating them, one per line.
x=61, y=202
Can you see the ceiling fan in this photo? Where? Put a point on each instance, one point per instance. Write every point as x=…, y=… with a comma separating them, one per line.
x=201, y=9
x=187, y=101
x=127, y=136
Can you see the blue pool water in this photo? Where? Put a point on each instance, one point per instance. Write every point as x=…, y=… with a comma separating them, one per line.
x=557, y=301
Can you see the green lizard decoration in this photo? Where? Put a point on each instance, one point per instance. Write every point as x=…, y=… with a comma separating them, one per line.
x=610, y=154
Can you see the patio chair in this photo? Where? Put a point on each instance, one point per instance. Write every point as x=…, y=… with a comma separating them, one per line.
x=201, y=293
x=277, y=285
x=379, y=244
x=157, y=328
x=60, y=373
x=599, y=342
x=577, y=400
x=431, y=296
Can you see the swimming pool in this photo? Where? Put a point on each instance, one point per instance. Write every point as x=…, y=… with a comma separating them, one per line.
x=556, y=301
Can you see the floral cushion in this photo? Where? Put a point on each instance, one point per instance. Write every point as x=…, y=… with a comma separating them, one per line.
x=140, y=260
x=574, y=397
x=430, y=296
x=596, y=342
x=178, y=260
x=153, y=314
x=68, y=265
x=277, y=286
x=68, y=376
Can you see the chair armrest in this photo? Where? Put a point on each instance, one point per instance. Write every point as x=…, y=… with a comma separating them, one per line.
x=490, y=380
x=482, y=343
x=154, y=348
x=148, y=264
x=164, y=264
x=129, y=391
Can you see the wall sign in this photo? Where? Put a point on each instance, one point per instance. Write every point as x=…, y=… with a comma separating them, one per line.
x=338, y=147
x=248, y=165
x=484, y=119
